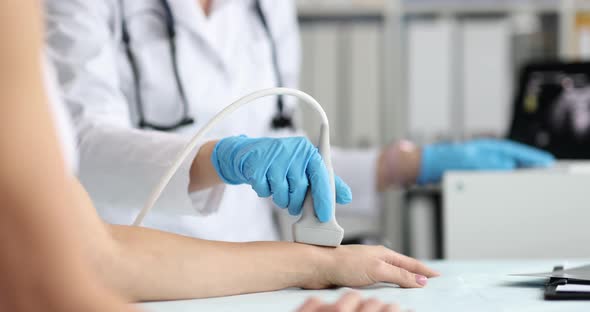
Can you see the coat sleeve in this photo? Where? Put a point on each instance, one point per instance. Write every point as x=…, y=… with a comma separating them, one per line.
x=358, y=168
x=119, y=165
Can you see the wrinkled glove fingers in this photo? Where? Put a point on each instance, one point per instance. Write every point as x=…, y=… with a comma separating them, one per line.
x=298, y=185
x=498, y=162
x=261, y=187
x=321, y=192
x=525, y=156
x=279, y=186
x=343, y=191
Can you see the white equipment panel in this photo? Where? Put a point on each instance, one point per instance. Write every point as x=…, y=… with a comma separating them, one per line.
x=524, y=214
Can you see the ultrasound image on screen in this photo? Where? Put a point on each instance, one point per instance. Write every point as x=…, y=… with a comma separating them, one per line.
x=552, y=110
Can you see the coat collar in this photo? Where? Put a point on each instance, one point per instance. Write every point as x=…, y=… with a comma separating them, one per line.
x=190, y=15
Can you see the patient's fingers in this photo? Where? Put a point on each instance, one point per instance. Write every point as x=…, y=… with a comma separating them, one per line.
x=410, y=264
x=388, y=273
x=311, y=305
x=390, y=308
x=371, y=305
x=350, y=302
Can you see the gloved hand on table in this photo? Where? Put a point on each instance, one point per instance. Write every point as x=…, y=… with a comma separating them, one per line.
x=282, y=168
x=487, y=154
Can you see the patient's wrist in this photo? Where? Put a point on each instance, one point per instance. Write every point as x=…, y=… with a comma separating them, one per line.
x=317, y=262
x=310, y=264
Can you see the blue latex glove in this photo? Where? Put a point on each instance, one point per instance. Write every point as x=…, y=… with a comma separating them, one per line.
x=283, y=168
x=485, y=154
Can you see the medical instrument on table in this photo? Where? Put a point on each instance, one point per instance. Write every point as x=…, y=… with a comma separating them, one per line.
x=565, y=284
x=308, y=229
x=280, y=121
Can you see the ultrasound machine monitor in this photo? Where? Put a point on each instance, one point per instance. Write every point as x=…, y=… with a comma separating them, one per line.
x=552, y=109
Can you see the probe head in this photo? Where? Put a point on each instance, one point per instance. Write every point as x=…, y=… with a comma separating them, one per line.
x=311, y=231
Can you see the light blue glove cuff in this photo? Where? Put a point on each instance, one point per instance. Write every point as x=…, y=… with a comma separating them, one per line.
x=430, y=172
x=216, y=161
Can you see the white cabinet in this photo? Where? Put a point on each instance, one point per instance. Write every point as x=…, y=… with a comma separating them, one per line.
x=526, y=214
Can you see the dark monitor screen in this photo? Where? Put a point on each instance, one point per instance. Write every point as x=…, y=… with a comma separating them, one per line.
x=552, y=109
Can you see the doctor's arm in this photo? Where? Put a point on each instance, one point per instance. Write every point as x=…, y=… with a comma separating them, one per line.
x=153, y=265
x=404, y=163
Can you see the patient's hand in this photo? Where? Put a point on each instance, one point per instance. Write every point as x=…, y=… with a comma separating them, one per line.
x=351, y=302
x=358, y=266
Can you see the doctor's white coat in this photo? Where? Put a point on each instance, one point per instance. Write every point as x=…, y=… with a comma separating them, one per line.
x=221, y=57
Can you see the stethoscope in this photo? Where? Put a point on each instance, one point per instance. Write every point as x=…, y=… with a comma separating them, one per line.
x=281, y=119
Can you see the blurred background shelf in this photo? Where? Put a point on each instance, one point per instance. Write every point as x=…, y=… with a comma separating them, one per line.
x=479, y=7
x=377, y=7
x=339, y=9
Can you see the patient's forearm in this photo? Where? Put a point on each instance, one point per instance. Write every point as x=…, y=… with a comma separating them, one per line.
x=161, y=266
